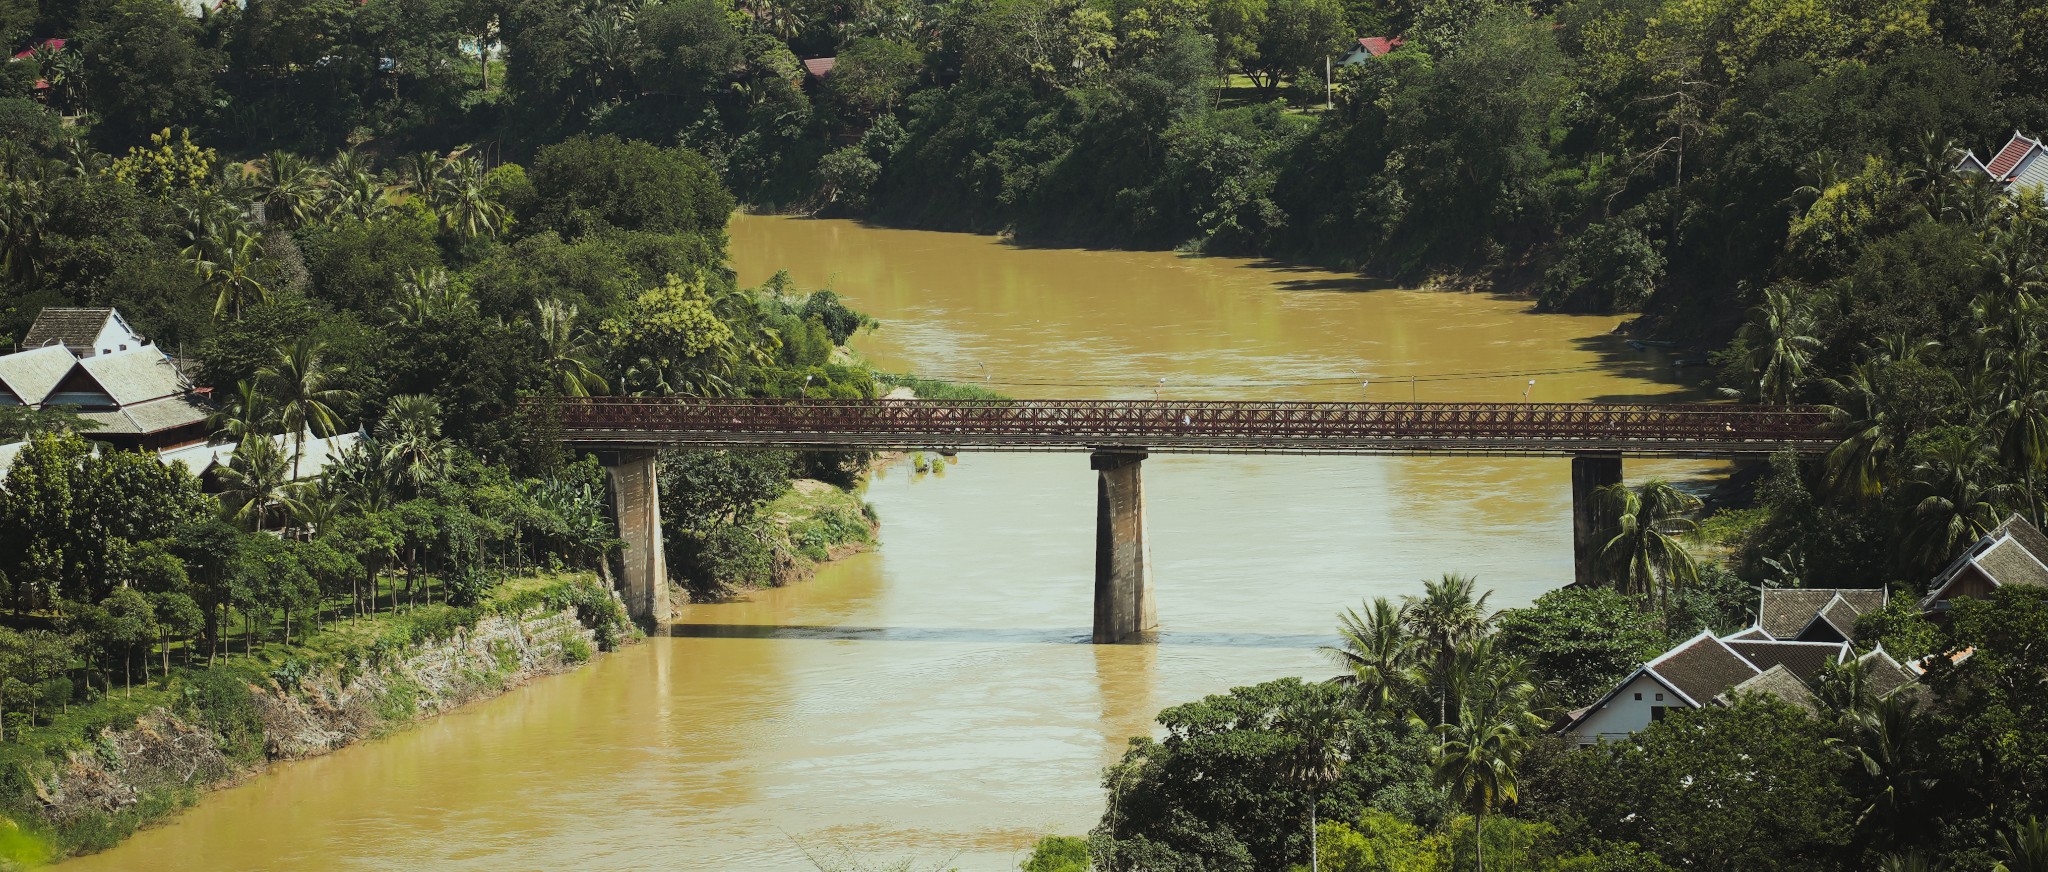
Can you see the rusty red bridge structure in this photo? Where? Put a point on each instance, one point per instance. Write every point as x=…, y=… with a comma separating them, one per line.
x=1119, y=434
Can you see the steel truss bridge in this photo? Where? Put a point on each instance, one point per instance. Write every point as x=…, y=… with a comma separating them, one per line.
x=1205, y=427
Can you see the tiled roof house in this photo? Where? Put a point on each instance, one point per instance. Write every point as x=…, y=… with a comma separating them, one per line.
x=1799, y=633
x=2020, y=164
x=2014, y=553
x=87, y=332
x=90, y=361
x=1369, y=47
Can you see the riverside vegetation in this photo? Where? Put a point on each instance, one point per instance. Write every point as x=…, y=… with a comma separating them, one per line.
x=1429, y=751
x=414, y=304
x=467, y=201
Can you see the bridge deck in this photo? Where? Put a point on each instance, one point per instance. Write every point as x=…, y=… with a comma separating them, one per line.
x=1672, y=430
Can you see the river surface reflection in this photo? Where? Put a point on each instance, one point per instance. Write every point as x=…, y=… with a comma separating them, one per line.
x=935, y=699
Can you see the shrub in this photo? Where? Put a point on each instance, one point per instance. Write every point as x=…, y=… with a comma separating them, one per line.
x=1058, y=854
x=1608, y=266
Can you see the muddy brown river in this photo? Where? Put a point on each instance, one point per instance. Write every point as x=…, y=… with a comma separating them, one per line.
x=935, y=700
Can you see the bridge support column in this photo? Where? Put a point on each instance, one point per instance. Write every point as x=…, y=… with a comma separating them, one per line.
x=1124, y=610
x=636, y=502
x=1590, y=473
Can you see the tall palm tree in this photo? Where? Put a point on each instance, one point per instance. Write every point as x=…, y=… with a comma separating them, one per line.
x=1376, y=653
x=411, y=433
x=290, y=188
x=231, y=274
x=1862, y=414
x=567, y=351
x=300, y=384
x=353, y=189
x=1318, y=758
x=1642, y=556
x=426, y=294
x=423, y=174
x=1446, y=616
x=246, y=416
x=1780, y=342
x=1887, y=743
x=255, y=482
x=2021, y=419
x=1954, y=497
x=465, y=206
x=1477, y=762
x=24, y=214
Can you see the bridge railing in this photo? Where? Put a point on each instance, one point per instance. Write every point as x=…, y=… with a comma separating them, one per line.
x=1197, y=425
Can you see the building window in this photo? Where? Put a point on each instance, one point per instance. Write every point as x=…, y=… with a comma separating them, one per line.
x=1660, y=697
x=1657, y=713
x=1639, y=697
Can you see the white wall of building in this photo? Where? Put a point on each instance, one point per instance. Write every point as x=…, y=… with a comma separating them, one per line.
x=1628, y=711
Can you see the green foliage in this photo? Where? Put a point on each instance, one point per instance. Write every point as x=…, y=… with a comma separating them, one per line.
x=221, y=700
x=1583, y=639
x=590, y=184
x=1057, y=854
x=1905, y=633
x=1764, y=767
x=1609, y=266
x=1214, y=792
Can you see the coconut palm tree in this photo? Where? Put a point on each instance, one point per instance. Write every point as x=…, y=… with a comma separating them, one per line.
x=1862, y=414
x=1887, y=745
x=1954, y=499
x=1477, y=762
x=567, y=351
x=256, y=481
x=231, y=274
x=1377, y=654
x=465, y=206
x=424, y=175
x=246, y=416
x=300, y=384
x=353, y=189
x=1780, y=344
x=426, y=294
x=1642, y=556
x=290, y=189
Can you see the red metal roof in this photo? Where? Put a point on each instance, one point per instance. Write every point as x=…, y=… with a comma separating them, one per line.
x=2009, y=156
x=54, y=44
x=1379, y=45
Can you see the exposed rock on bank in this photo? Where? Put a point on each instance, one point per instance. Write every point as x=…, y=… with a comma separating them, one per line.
x=232, y=721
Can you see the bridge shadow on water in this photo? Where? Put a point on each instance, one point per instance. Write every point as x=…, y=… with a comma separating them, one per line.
x=987, y=635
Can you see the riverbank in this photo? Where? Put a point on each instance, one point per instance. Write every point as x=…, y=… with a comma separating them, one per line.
x=98, y=772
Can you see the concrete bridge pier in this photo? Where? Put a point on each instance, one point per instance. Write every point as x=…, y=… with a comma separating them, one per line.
x=636, y=503
x=1124, y=610
x=1590, y=473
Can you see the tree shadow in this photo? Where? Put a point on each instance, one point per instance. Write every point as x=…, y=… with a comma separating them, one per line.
x=1650, y=364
